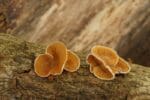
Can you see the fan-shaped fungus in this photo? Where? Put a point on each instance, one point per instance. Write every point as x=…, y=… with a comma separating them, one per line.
x=105, y=63
x=43, y=65
x=59, y=52
x=99, y=69
x=63, y=58
x=108, y=55
x=73, y=62
x=121, y=67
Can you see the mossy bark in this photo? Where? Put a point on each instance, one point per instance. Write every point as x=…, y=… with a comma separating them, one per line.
x=18, y=80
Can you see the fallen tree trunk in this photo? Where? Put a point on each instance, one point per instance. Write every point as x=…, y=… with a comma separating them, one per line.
x=18, y=80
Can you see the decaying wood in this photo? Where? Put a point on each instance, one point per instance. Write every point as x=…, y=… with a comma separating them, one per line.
x=18, y=80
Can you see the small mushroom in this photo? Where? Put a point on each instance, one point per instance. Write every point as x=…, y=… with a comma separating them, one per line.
x=59, y=52
x=43, y=65
x=108, y=55
x=99, y=68
x=121, y=67
x=73, y=62
x=56, y=59
x=93, y=61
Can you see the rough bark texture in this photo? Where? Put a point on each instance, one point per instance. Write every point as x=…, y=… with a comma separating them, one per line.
x=18, y=80
x=120, y=24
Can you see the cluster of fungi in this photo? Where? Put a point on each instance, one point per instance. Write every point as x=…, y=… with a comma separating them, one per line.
x=105, y=63
x=56, y=59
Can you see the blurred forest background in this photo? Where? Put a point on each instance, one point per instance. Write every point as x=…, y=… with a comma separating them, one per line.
x=121, y=24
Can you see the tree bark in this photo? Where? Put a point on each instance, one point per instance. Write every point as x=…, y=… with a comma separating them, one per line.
x=18, y=80
x=120, y=24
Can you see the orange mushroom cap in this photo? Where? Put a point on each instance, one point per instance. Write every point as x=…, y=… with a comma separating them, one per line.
x=108, y=55
x=93, y=62
x=59, y=52
x=99, y=68
x=73, y=62
x=121, y=67
x=43, y=65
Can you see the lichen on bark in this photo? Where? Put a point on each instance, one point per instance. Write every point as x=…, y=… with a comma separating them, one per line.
x=18, y=80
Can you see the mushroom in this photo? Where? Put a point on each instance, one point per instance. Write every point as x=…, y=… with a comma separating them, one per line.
x=121, y=67
x=43, y=65
x=105, y=63
x=59, y=52
x=63, y=58
x=99, y=68
x=73, y=62
x=108, y=55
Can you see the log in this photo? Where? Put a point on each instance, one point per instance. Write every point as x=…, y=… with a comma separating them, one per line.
x=18, y=80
